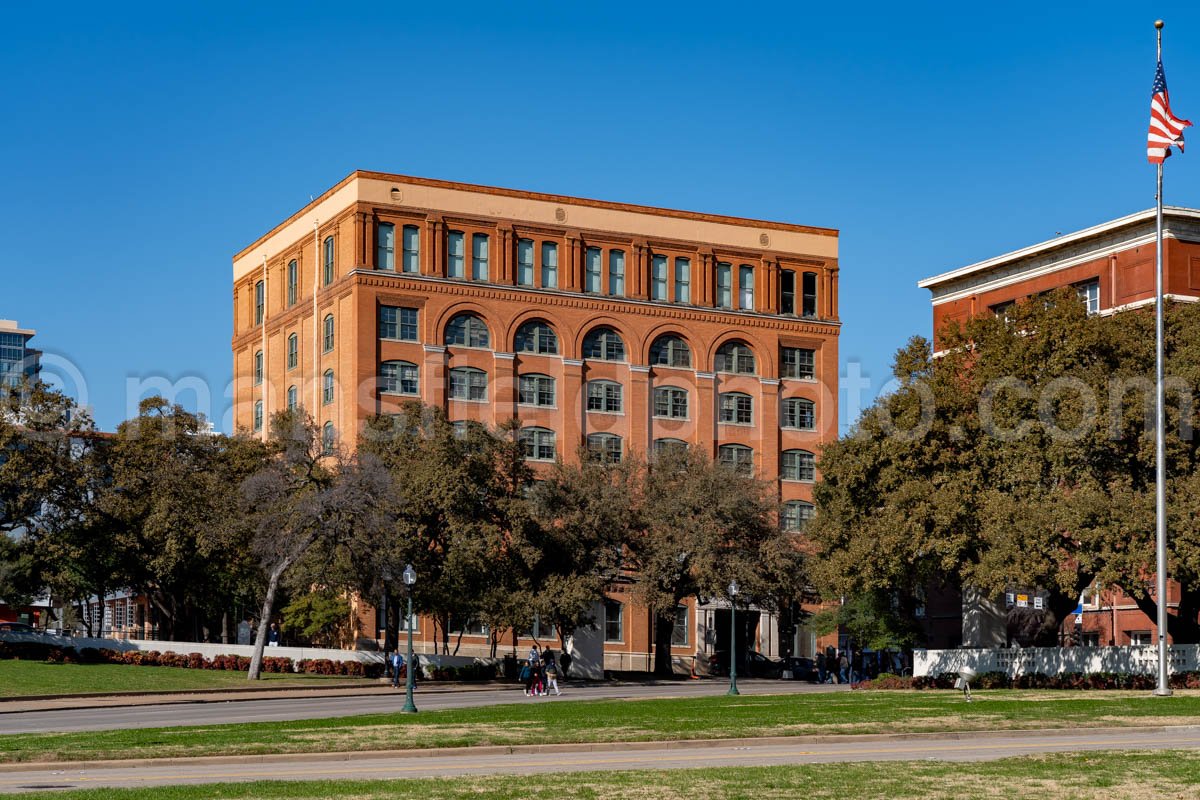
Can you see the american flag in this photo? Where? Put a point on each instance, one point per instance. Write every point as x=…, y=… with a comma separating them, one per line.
x=1165, y=128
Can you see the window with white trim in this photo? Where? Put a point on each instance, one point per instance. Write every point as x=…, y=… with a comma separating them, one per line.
x=736, y=408
x=797, y=465
x=535, y=390
x=670, y=402
x=467, y=383
x=799, y=413
x=399, y=377
x=606, y=396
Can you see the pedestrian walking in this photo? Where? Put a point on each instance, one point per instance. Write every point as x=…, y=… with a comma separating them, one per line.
x=820, y=667
x=534, y=687
x=843, y=668
x=397, y=665
x=552, y=676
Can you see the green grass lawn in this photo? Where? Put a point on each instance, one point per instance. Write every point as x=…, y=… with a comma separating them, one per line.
x=24, y=678
x=1084, y=776
x=540, y=722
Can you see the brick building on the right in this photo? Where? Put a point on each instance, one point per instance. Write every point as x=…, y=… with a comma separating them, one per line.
x=1112, y=265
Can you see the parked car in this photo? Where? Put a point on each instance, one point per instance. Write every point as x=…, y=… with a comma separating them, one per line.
x=751, y=664
x=803, y=669
x=16, y=627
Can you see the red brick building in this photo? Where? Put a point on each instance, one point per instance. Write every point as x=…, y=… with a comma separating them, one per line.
x=616, y=326
x=1112, y=265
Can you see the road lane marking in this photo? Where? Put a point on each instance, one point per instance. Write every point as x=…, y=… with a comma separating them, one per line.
x=296, y=771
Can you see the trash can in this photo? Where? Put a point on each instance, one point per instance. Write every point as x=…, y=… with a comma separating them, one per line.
x=510, y=668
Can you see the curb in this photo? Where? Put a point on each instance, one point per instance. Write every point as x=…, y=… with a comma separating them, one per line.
x=579, y=747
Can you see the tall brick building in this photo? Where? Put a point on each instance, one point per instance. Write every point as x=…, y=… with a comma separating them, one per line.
x=613, y=326
x=1112, y=266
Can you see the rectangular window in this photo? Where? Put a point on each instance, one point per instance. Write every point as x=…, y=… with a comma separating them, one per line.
x=679, y=634
x=787, y=292
x=746, y=287
x=799, y=413
x=396, y=322
x=613, y=630
x=525, y=262
x=412, y=248
x=258, y=367
x=797, y=362
x=468, y=384
x=616, y=273
x=683, y=280
x=398, y=377
x=604, y=396
x=670, y=402
x=536, y=390
x=737, y=409
x=1089, y=293
x=591, y=263
x=1140, y=638
x=539, y=444
x=455, y=260
x=293, y=282
x=809, y=287
x=549, y=265
x=385, y=248
x=259, y=301
x=479, y=257
x=658, y=278
x=328, y=260
x=724, y=285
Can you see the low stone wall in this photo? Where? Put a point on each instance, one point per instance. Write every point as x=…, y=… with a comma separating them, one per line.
x=1016, y=661
x=206, y=649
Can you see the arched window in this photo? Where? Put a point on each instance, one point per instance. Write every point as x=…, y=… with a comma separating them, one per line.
x=670, y=402
x=604, y=344
x=328, y=438
x=328, y=260
x=796, y=514
x=539, y=443
x=398, y=377
x=455, y=256
x=327, y=388
x=385, y=246
x=293, y=282
x=328, y=332
x=605, y=396
x=669, y=446
x=479, y=257
x=412, y=248
x=737, y=457
x=258, y=415
x=797, y=465
x=292, y=398
x=293, y=351
x=258, y=367
x=468, y=384
x=535, y=390
x=467, y=330
x=605, y=447
x=670, y=351
x=536, y=337
x=737, y=408
x=799, y=413
x=735, y=356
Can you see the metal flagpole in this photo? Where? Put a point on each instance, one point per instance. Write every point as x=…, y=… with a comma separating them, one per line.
x=1160, y=438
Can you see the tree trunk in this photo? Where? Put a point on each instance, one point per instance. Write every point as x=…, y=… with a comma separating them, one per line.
x=664, y=626
x=264, y=620
x=1183, y=627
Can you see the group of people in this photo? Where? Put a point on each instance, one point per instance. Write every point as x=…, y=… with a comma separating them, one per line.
x=540, y=674
x=852, y=666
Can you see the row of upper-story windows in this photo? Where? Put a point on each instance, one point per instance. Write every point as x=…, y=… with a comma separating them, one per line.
x=602, y=396
x=601, y=343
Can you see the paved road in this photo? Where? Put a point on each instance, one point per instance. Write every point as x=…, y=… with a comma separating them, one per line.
x=468, y=762
x=375, y=701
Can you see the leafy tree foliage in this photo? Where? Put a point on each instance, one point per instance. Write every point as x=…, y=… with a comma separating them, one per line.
x=1021, y=456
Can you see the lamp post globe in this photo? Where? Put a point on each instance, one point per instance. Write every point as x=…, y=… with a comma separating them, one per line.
x=410, y=578
x=733, y=592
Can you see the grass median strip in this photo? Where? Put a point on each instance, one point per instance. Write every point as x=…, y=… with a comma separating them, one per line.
x=1085, y=776
x=546, y=722
x=26, y=678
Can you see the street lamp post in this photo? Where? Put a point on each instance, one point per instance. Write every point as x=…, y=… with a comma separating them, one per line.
x=733, y=590
x=410, y=578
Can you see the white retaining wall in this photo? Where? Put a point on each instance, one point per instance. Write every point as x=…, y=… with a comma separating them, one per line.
x=1015, y=661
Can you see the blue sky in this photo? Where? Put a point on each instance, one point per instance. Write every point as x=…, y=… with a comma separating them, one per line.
x=145, y=145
